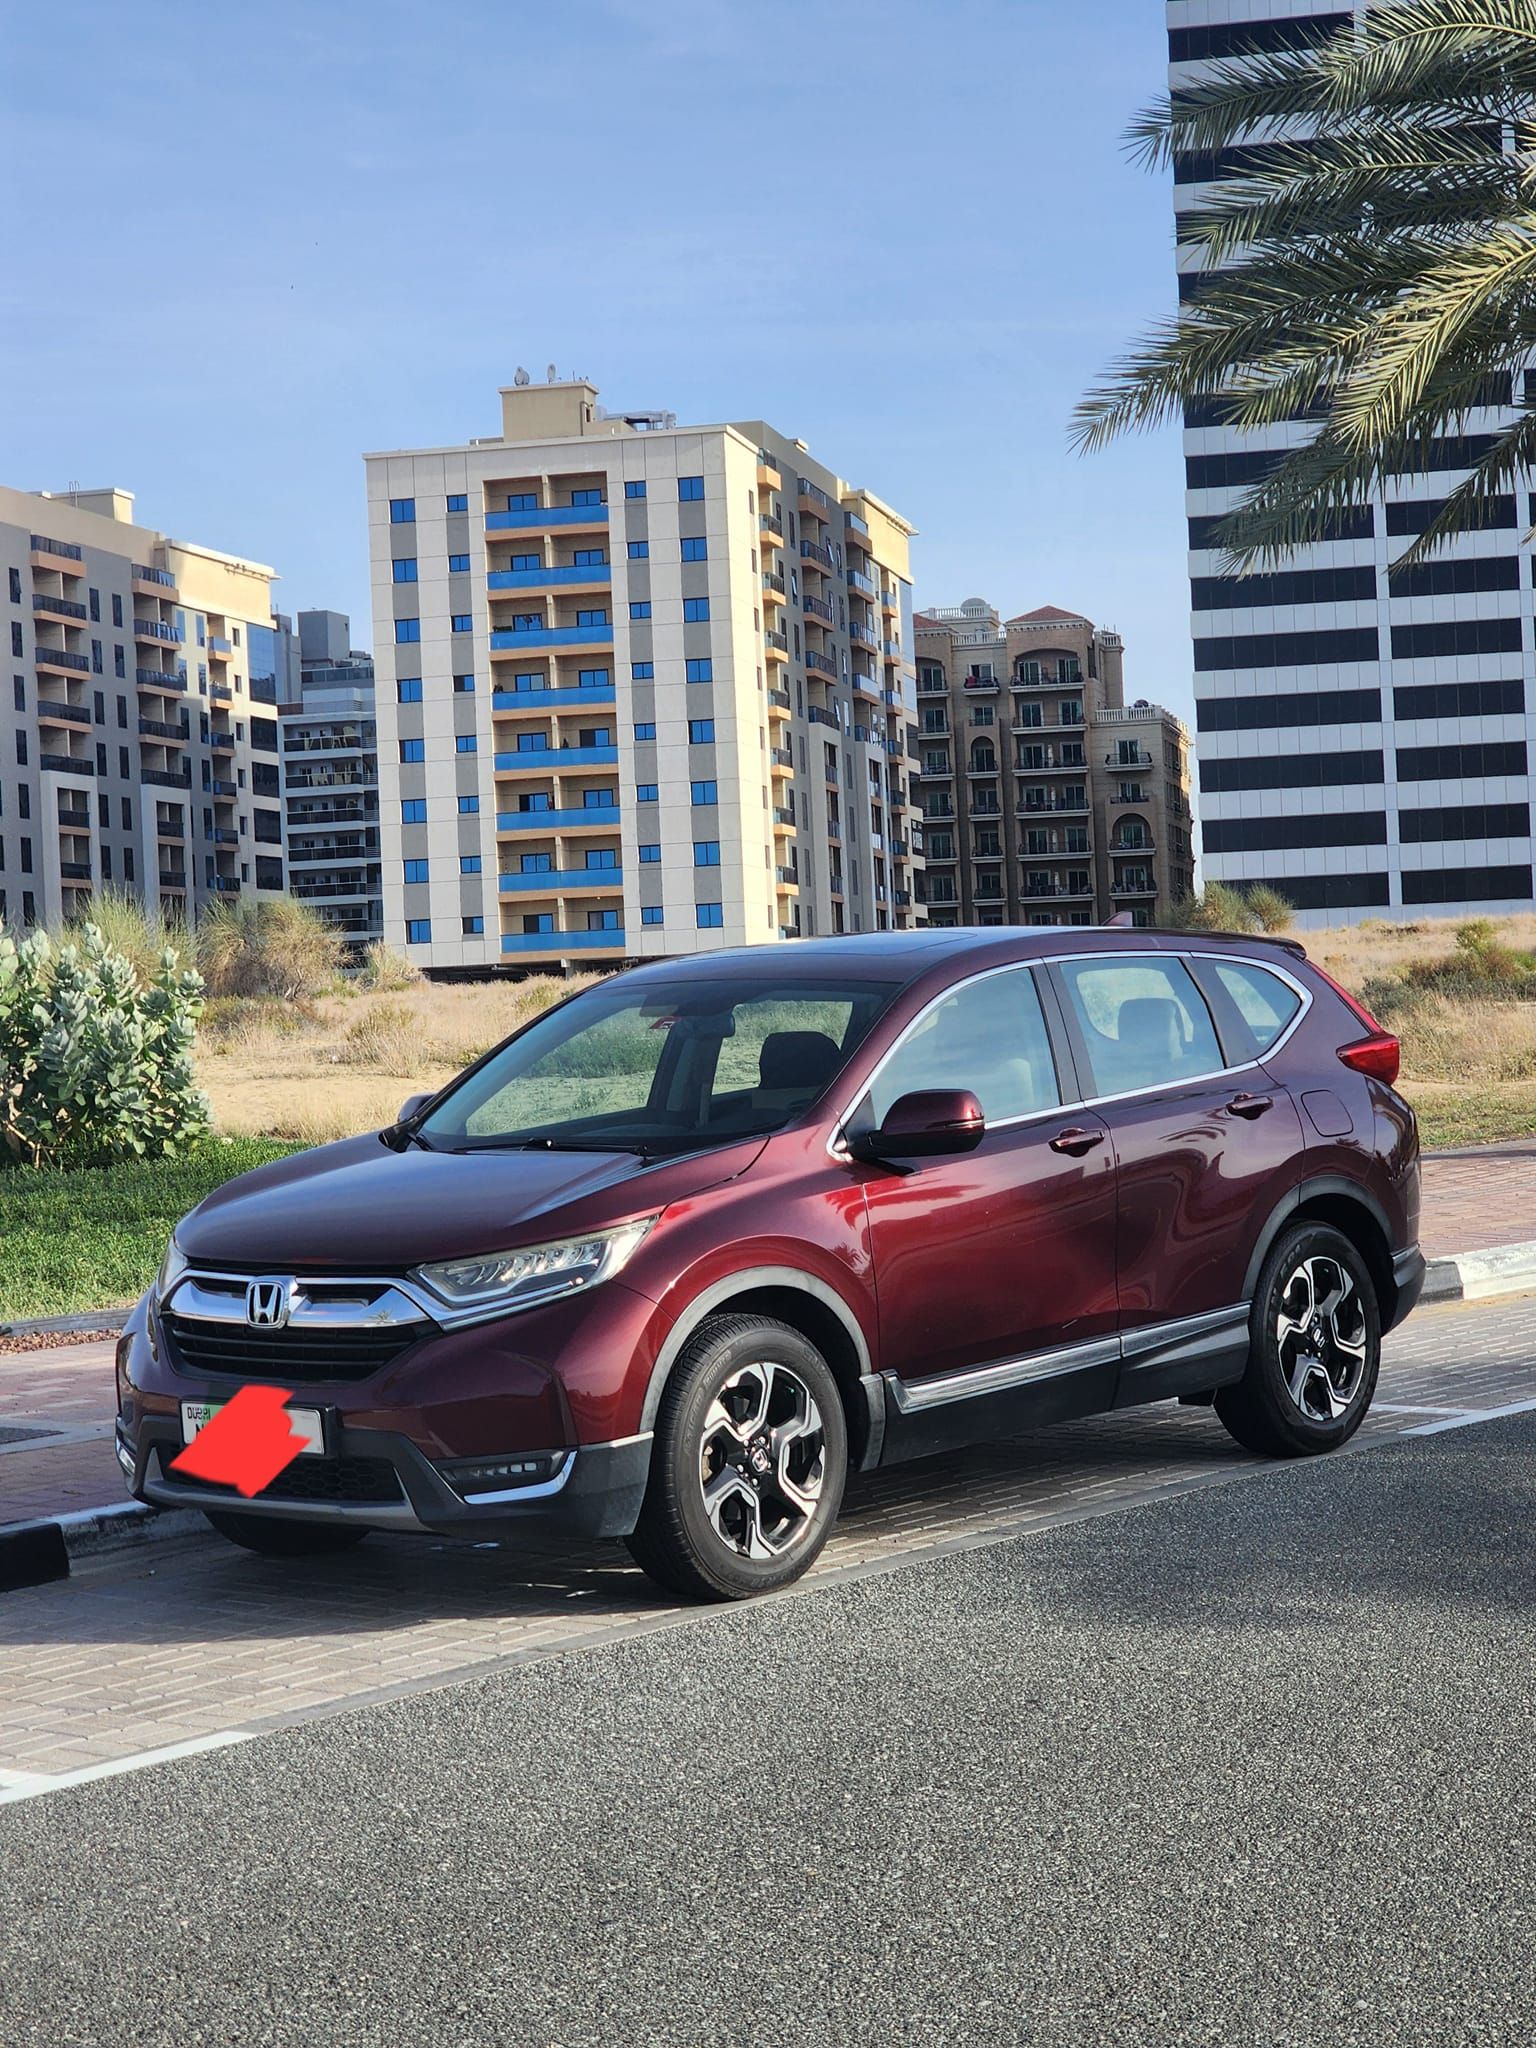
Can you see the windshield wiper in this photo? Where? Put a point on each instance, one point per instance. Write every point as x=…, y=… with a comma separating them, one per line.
x=560, y=1145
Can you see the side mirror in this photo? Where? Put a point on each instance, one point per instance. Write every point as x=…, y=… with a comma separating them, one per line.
x=411, y=1104
x=926, y=1124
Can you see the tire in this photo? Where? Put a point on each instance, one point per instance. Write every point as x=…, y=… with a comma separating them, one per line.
x=748, y=1464
x=273, y=1538
x=1314, y=1349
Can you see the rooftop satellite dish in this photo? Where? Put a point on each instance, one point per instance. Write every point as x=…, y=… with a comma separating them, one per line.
x=550, y=377
x=522, y=377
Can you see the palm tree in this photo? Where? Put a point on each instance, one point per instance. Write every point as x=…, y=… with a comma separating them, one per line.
x=1372, y=264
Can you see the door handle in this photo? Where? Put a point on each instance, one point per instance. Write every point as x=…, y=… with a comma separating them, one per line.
x=1250, y=1106
x=1074, y=1141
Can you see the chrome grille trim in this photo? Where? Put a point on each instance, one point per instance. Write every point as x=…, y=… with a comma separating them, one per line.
x=318, y=1304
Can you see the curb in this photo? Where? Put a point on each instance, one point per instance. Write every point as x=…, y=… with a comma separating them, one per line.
x=1481, y=1276
x=35, y=1553
x=66, y=1326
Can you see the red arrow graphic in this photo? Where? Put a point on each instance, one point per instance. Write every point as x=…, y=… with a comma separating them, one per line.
x=246, y=1444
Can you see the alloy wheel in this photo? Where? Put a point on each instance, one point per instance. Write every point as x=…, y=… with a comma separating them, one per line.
x=1321, y=1332
x=762, y=1462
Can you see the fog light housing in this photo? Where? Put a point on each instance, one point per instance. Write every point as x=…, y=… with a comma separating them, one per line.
x=481, y=1479
x=124, y=1458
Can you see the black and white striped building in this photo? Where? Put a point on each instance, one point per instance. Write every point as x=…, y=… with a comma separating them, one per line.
x=1364, y=739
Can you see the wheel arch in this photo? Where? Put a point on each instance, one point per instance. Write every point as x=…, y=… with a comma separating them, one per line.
x=822, y=1317
x=1350, y=1209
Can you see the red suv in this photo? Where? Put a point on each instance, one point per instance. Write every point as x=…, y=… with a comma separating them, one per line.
x=679, y=1254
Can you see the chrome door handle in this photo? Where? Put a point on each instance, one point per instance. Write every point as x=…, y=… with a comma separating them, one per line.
x=1250, y=1106
x=1074, y=1142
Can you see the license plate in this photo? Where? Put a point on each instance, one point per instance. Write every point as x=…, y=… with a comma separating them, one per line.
x=306, y=1422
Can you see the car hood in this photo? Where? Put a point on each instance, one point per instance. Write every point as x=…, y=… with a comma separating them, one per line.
x=361, y=1206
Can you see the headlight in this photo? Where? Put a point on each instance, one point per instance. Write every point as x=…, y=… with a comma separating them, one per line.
x=539, y=1272
x=172, y=1266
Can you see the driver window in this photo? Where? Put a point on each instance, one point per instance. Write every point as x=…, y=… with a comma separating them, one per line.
x=990, y=1037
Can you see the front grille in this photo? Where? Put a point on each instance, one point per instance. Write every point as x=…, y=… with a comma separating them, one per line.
x=237, y=1351
x=371, y=1480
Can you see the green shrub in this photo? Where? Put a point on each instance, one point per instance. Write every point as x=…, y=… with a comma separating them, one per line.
x=385, y=969
x=132, y=928
x=278, y=948
x=95, y=1064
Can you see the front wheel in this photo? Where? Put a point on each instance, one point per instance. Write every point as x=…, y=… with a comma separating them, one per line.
x=273, y=1538
x=1315, y=1348
x=748, y=1464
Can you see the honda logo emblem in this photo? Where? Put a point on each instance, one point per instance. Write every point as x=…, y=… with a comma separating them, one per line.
x=267, y=1303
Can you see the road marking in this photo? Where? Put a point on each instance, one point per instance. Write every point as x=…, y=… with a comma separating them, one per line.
x=19, y=1785
x=1416, y=1408
x=1472, y=1415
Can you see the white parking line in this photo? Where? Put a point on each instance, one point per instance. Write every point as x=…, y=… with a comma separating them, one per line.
x=19, y=1785
x=1472, y=1415
x=1418, y=1408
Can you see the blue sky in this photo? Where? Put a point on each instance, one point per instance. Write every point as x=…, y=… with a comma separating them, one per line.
x=250, y=242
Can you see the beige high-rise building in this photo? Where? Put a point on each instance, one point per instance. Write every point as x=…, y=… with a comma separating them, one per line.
x=138, y=737
x=643, y=690
x=1046, y=798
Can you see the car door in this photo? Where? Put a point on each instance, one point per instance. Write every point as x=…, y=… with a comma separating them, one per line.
x=994, y=1269
x=1203, y=1152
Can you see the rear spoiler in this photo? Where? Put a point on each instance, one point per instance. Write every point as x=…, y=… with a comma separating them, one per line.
x=1123, y=919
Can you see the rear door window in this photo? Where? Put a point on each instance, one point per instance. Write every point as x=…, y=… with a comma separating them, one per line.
x=1143, y=1021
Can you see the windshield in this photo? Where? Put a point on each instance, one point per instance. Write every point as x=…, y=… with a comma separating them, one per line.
x=661, y=1069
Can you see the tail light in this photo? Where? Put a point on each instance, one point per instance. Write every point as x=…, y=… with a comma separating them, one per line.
x=1380, y=1056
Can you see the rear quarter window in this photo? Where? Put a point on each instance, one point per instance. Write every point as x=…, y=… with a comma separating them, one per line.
x=1265, y=1003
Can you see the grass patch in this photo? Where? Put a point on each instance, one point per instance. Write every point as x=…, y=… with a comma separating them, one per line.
x=92, y=1238
x=1451, y=1114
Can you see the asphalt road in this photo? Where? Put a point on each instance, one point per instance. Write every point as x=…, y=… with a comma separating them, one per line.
x=1251, y=1766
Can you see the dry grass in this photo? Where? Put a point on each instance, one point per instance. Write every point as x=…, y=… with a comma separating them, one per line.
x=1356, y=954
x=341, y=1064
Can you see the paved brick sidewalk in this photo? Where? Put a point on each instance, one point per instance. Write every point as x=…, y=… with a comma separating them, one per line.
x=1479, y=1198
x=190, y=1639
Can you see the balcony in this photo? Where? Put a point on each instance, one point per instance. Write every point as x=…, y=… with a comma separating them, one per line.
x=891, y=650
x=786, y=879
x=562, y=942
x=221, y=693
x=813, y=494
x=49, y=607
x=151, y=629
x=555, y=760
x=62, y=555
x=51, y=712
x=173, y=878
x=783, y=818
x=544, y=518
x=75, y=870
x=816, y=609
x=595, y=576
x=818, y=663
x=74, y=821
x=1129, y=761
x=221, y=789
x=177, y=732
x=222, y=742
x=776, y=643
x=555, y=881
x=1049, y=766
x=225, y=885
x=166, y=778
x=1135, y=796
x=861, y=636
x=1130, y=846
x=154, y=582
x=59, y=661
x=518, y=642
x=170, y=828
x=771, y=529
x=590, y=818
x=224, y=835
x=780, y=700
x=813, y=551
x=331, y=814
x=775, y=590
x=313, y=892
x=987, y=683
x=159, y=679
x=863, y=584
x=768, y=476
x=781, y=757
x=1135, y=885
x=1075, y=805
x=570, y=697
x=67, y=764
x=219, y=649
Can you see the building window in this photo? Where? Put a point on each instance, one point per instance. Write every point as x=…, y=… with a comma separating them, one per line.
x=709, y=916
x=117, y=609
x=592, y=618
x=466, y=743
x=465, y=685
x=468, y=806
x=704, y=792
x=119, y=663
x=598, y=800
x=415, y=871
x=649, y=856
x=590, y=558
x=602, y=920
x=695, y=609
x=463, y=622
x=645, y=729
x=701, y=670
x=473, y=927
x=651, y=914
x=457, y=563
x=640, y=609
x=96, y=605
x=634, y=490
x=457, y=501
x=533, y=743
x=408, y=690
x=700, y=731
x=586, y=497
x=522, y=501
x=592, y=679
x=407, y=632
x=647, y=793
x=413, y=750
x=404, y=568
x=695, y=548
x=706, y=853
x=642, y=671
x=413, y=810
x=639, y=550
x=15, y=581
x=418, y=931
x=690, y=488
x=539, y=800
x=603, y=859
x=402, y=511
x=536, y=864
x=469, y=864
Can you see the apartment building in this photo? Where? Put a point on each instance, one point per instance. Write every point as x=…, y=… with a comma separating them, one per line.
x=1364, y=738
x=331, y=780
x=1046, y=798
x=643, y=690
x=138, y=737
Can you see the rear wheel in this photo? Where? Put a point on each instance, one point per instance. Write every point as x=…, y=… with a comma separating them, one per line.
x=274, y=1538
x=1315, y=1348
x=748, y=1464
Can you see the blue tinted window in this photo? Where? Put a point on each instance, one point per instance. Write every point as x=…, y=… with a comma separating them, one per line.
x=701, y=671
x=634, y=490
x=593, y=678
x=704, y=792
x=645, y=729
x=401, y=511
x=590, y=558
x=700, y=730
x=522, y=501
x=465, y=685
x=605, y=857
x=536, y=863
x=458, y=501
x=469, y=863
x=706, y=853
x=539, y=800
x=418, y=931
x=642, y=671
x=525, y=562
x=407, y=632
x=695, y=548
x=415, y=871
x=709, y=916
x=641, y=609
x=463, y=622
x=586, y=497
x=690, y=487
x=413, y=750
x=538, y=921
x=533, y=743
x=408, y=689
x=651, y=914
x=638, y=550
x=596, y=800
x=695, y=608
x=466, y=743
x=404, y=568
x=602, y=920
x=457, y=562
x=413, y=811
x=473, y=927
x=649, y=856
x=592, y=618
x=468, y=805
x=647, y=793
